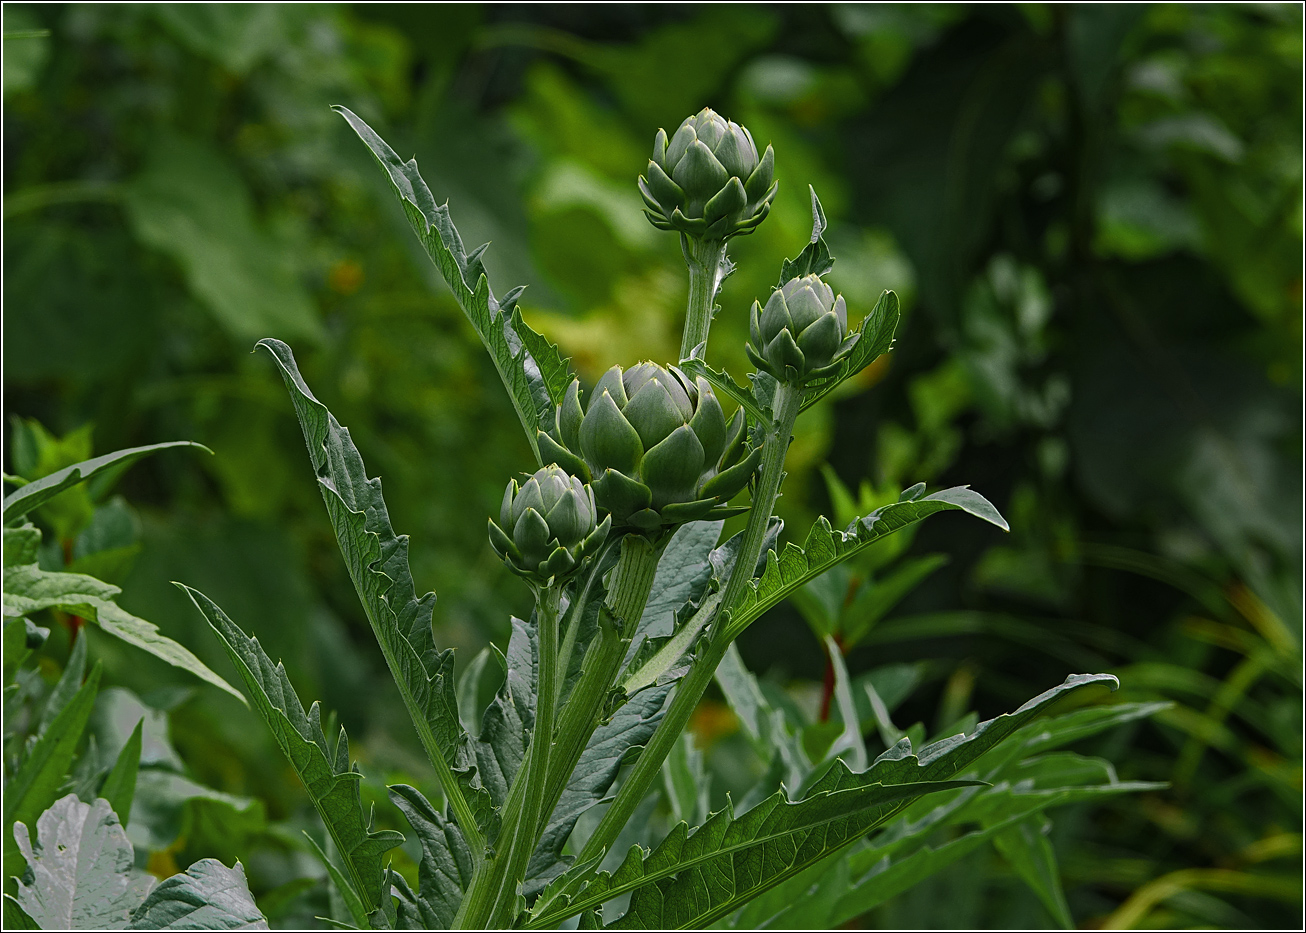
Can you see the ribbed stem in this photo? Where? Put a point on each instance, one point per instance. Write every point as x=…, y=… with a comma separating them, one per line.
x=704, y=261
x=690, y=690
x=492, y=895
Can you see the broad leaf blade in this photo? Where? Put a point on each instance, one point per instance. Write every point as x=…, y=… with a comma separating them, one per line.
x=531, y=368
x=826, y=547
x=206, y=896
x=36, y=493
x=446, y=867
x=331, y=783
x=81, y=867
x=377, y=560
x=28, y=589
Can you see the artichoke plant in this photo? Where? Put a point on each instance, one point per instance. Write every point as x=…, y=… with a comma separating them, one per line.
x=802, y=333
x=548, y=526
x=707, y=180
x=655, y=445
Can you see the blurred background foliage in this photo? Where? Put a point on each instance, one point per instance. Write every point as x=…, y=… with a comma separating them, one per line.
x=1092, y=214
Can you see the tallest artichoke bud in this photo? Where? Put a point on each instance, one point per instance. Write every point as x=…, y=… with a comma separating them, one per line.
x=657, y=445
x=707, y=180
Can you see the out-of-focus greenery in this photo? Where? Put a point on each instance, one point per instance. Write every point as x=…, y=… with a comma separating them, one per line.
x=1093, y=215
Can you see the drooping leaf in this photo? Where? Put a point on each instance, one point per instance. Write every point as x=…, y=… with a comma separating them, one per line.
x=206, y=896
x=825, y=547
x=22, y=500
x=28, y=588
x=815, y=259
x=446, y=867
x=326, y=773
x=120, y=785
x=875, y=338
x=81, y=874
x=33, y=788
x=691, y=879
x=377, y=560
x=531, y=368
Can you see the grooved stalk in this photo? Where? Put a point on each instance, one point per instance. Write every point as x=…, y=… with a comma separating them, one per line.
x=690, y=690
x=704, y=262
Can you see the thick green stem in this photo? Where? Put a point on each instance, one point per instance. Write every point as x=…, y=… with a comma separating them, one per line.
x=690, y=690
x=704, y=261
x=632, y=579
x=492, y=895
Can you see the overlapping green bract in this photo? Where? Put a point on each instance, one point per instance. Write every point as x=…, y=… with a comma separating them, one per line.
x=693, y=878
x=825, y=547
x=802, y=333
x=707, y=180
x=548, y=527
x=377, y=560
x=326, y=773
x=531, y=368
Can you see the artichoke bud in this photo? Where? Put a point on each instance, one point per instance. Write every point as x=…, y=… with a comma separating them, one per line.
x=801, y=333
x=655, y=445
x=707, y=180
x=547, y=526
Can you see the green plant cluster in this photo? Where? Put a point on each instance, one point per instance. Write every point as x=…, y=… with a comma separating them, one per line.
x=1091, y=217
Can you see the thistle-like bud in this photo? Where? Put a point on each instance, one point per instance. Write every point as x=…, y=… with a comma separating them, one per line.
x=707, y=180
x=655, y=442
x=802, y=333
x=548, y=526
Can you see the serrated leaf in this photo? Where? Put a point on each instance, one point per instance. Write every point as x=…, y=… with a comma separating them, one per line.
x=724, y=383
x=22, y=500
x=377, y=560
x=825, y=547
x=446, y=867
x=875, y=337
x=534, y=373
x=28, y=589
x=325, y=772
x=33, y=788
x=691, y=879
x=508, y=721
x=80, y=869
x=815, y=259
x=206, y=896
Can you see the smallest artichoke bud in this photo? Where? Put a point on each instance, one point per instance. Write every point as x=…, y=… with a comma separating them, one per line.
x=801, y=333
x=548, y=526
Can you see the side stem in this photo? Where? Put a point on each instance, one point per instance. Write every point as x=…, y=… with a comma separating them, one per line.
x=704, y=261
x=690, y=690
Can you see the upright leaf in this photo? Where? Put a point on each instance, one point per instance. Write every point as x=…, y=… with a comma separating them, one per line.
x=120, y=784
x=531, y=368
x=206, y=896
x=327, y=776
x=815, y=259
x=377, y=560
x=510, y=717
x=81, y=866
x=875, y=337
x=825, y=547
x=22, y=500
x=1026, y=847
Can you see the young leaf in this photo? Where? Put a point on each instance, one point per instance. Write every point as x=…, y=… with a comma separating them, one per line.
x=38, y=780
x=690, y=880
x=28, y=588
x=875, y=337
x=1027, y=849
x=377, y=560
x=120, y=785
x=724, y=383
x=826, y=547
x=82, y=875
x=445, y=869
x=815, y=259
x=22, y=500
x=206, y=896
x=531, y=368
x=331, y=783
